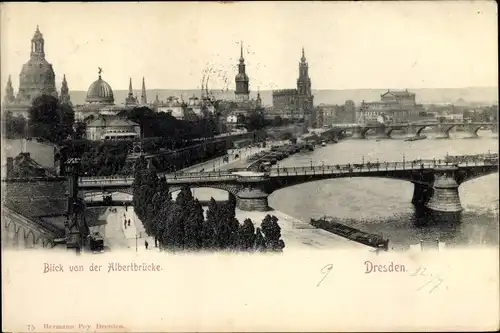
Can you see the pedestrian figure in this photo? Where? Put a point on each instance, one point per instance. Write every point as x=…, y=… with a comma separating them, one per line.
x=146, y=244
x=125, y=224
x=129, y=222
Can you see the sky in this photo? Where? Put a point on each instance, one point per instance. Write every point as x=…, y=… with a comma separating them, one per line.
x=349, y=45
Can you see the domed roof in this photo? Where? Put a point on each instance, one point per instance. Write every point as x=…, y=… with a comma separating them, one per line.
x=100, y=92
x=36, y=68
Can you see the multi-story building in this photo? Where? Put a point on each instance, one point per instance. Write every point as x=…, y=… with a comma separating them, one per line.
x=112, y=128
x=37, y=78
x=317, y=117
x=296, y=104
x=396, y=106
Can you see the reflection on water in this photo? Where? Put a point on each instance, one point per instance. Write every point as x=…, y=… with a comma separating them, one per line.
x=384, y=206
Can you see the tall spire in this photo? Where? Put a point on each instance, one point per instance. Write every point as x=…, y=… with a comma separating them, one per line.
x=259, y=100
x=241, y=52
x=242, y=82
x=130, y=91
x=144, y=99
x=65, y=98
x=303, y=59
x=9, y=92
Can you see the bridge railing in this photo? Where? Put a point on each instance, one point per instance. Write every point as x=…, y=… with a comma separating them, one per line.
x=478, y=160
x=369, y=166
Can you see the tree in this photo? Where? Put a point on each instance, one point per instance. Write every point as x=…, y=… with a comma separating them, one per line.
x=193, y=230
x=173, y=234
x=260, y=242
x=15, y=126
x=80, y=129
x=208, y=230
x=272, y=233
x=255, y=121
x=247, y=235
x=184, y=197
x=50, y=120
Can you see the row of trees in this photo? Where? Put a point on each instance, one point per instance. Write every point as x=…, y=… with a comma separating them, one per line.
x=161, y=124
x=181, y=224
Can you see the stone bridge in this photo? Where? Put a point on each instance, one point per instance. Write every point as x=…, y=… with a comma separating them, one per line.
x=436, y=181
x=415, y=129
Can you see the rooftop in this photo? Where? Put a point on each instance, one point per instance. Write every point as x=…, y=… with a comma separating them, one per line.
x=110, y=121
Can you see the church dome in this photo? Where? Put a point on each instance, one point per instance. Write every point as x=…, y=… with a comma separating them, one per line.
x=100, y=92
x=39, y=73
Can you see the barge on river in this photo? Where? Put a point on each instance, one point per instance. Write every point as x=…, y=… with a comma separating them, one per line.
x=372, y=240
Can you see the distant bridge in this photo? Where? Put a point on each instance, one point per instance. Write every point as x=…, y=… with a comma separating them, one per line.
x=414, y=129
x=251, y=189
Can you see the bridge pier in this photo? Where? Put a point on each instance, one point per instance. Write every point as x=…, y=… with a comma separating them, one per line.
x=252, y=199
x=445, y=199
x=356, y=133
x=381, y=132
x=421, y=194
x=472, y=131
x=443, y=131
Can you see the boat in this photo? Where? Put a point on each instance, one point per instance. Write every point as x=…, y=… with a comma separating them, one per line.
x=372, y=240
x=415, y=138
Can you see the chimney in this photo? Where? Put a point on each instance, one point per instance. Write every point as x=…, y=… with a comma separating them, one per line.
x=10, y=166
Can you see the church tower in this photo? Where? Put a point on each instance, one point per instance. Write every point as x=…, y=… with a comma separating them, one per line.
x=9, y=92
x=37, y=75
x=304, y=82
x=144, y=99
x=130, y=100
x=242, y=86
x=258, y=102
x=65, y=98
x=304, y=94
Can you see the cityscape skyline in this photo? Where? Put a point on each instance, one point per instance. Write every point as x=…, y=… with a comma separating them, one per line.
x=467, y=29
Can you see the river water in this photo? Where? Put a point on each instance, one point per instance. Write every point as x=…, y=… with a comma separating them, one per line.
x=383, y=206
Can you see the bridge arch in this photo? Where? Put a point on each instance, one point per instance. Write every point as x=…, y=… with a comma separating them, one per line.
x=476, y=129
x=420, y=129
x=229, y=189
x=304, y=180
x=390, y=130
x=365, y=131
x=448, y=129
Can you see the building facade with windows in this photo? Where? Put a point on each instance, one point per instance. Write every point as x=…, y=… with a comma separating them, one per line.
x=106, y=127
x=395, y=106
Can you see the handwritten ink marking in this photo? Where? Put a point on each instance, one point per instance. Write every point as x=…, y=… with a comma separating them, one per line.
x=325, y=271
x=438, y=280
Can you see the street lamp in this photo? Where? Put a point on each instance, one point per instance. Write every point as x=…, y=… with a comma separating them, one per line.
x=311, y=163
x=363, y=160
